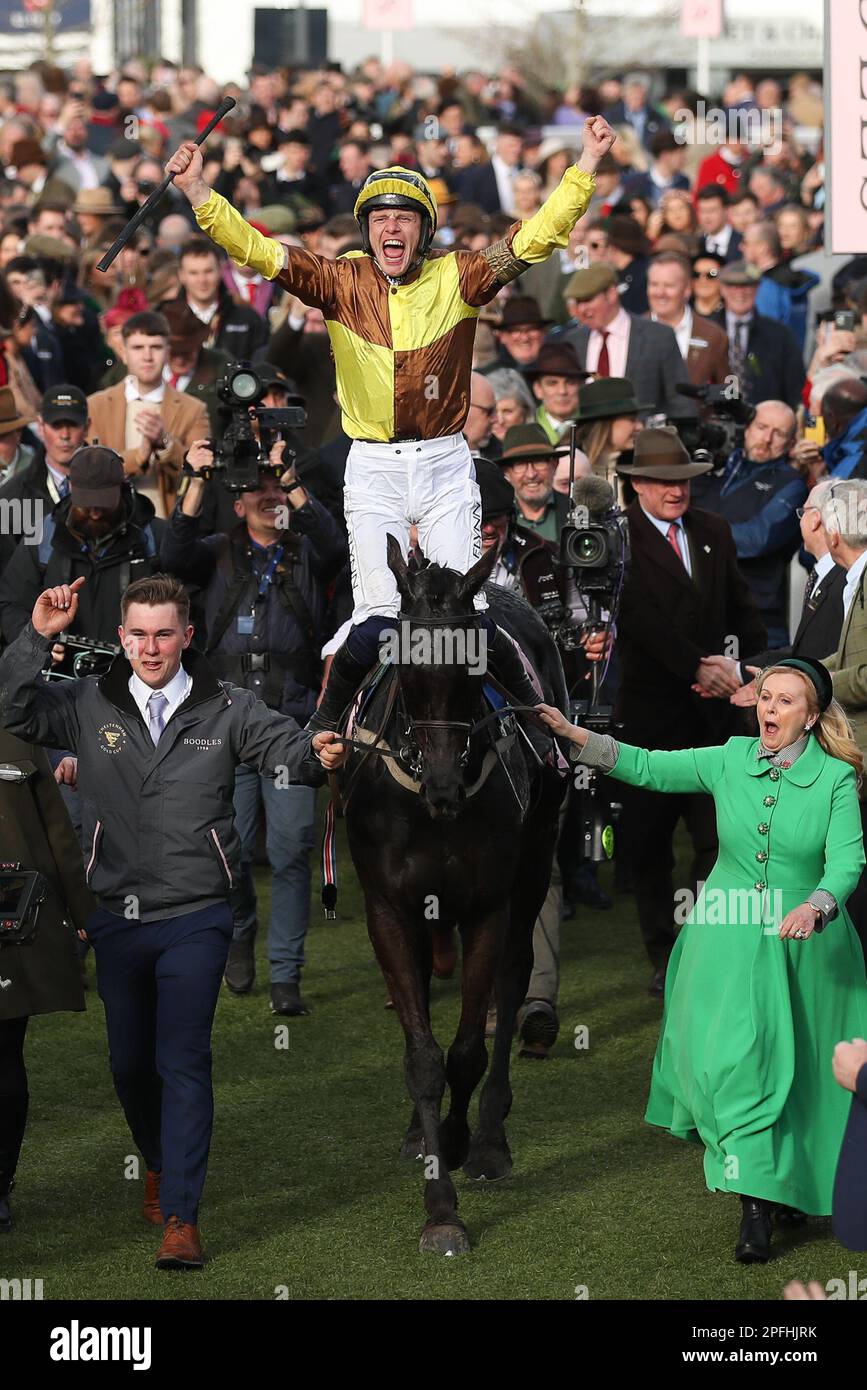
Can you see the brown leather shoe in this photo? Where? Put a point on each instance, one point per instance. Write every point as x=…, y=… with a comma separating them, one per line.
x=151, y=1205
x=181, y=1247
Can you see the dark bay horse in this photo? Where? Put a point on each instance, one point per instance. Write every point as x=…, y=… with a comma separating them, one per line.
x=457, y=827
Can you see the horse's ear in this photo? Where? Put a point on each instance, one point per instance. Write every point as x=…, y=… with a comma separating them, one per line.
x=397, y=565
x=476, y=577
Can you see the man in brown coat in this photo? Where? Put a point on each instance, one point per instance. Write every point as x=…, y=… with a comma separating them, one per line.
x=145, y=419
x=703, y=344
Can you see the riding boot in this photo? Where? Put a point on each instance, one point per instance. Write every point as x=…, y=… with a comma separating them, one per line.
x=344, y=678
x=754, y=1244
x=11, y=1135
x=507, y=666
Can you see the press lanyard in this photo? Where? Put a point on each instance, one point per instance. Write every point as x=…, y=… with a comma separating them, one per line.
x=268, y=574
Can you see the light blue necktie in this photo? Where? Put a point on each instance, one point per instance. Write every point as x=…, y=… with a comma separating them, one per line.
x=156, y=712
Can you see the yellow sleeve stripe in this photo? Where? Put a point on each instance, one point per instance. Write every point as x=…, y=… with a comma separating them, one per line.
x=225, y=225
x=556, y=217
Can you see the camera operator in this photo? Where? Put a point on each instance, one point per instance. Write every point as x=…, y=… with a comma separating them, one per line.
x=684, y=597
x=529, y=460
x=265, y=605
x=759, y=492
x=105, y=531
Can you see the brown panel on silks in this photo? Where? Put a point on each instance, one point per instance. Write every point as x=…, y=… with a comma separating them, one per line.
x=432, y=385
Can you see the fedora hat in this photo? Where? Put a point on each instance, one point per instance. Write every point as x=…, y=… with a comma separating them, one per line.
x=525, y=442
x=98, y=202
x=10, y=416
x=658, y=454
x=739, y=273
x=523, y=309
x=606, y=398
x=556, y=359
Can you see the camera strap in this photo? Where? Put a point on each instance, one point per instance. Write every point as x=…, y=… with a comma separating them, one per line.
x=241, y=579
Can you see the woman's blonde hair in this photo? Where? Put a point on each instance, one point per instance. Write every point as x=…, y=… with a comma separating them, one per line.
x=832, y=728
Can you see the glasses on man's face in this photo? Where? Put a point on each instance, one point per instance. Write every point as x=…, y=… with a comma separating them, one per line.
x=705, y=275
x=802, y=511
x=596, y=245
x=542, y=464
x=523, y=330
x=488, y=409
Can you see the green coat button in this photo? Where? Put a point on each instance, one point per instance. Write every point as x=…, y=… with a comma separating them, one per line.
x=774, y=774
x=759, y=886
x=769, y=801
x=763, y=828
x=761, y=855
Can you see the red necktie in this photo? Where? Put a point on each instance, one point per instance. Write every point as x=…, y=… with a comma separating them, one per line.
x=251, y=293
x=174, y=379
x=671, y=536
x=603, y=367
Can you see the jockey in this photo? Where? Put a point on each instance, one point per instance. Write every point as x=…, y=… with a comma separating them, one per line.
x=401, y=320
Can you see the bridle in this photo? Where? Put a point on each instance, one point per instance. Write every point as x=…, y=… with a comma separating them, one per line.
x=409, y=754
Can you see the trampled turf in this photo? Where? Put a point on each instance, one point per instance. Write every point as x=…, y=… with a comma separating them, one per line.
x=306, y=1196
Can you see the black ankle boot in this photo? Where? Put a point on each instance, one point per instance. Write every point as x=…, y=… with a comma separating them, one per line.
x=754, y=1245
x=344, y=678
x=507, y=666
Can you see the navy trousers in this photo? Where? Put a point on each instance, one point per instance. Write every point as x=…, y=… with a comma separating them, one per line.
x=159, y=983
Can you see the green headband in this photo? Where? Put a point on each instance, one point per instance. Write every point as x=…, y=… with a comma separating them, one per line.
x=817, y=673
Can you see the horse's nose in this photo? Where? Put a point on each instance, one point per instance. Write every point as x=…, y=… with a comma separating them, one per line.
x=444, y=799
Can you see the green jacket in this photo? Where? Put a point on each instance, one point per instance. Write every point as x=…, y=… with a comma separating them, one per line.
x=789, y=831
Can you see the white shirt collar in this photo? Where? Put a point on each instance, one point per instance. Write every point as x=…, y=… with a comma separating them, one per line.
x=683, y=331
x=206, y=314
x=853, y=579
x=176, y=691
x=823, y=566
x=131, y=389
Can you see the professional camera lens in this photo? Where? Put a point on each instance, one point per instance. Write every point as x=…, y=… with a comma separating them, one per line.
x=589, y=548
x=245, y=386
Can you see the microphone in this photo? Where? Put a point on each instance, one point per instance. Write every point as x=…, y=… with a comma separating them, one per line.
x=594, y=494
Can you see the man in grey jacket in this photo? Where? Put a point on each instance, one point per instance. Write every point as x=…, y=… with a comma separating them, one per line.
x=158, y=740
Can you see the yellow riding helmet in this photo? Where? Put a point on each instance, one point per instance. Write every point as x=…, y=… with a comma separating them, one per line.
x=397, y=187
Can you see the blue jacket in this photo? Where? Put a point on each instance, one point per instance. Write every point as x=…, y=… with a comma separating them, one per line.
x=783, y=294
x=843, y=454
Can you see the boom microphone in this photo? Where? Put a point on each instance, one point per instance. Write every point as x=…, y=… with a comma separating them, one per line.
x=594, y=495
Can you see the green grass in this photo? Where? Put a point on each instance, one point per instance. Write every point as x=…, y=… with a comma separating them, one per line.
x=305, y=1189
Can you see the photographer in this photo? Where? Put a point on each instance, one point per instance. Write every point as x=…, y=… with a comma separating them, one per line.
x=105, y=531
x=683, y=599
x=265, y=606
x=528, y=461
x=759, y=492
x=63, y=423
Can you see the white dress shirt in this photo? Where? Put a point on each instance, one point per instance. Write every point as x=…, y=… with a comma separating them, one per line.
x=204, y=314
x=719, y=242
x=504, y=174
x=853, y=579
x=823, y=567
x=682, y=542
x=618, y=345
x=683, y=332
x=133, y=393
x=176, y=691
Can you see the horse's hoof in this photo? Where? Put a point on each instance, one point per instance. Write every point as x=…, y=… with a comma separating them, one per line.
x=412, y=1147
x=488, y=1166
x=444, y=1240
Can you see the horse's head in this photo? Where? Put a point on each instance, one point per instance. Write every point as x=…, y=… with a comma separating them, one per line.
x=441, y=660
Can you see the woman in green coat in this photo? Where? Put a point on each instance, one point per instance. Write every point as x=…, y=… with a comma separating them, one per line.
x=758, y=993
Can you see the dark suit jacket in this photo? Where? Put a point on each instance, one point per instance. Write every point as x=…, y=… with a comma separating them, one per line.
x=734, y=248
x=616, y=115
x=775, y=367
x=849, y=1210
x=668, y=621
x=653, y=364
x=478, y=184
x=818, y=633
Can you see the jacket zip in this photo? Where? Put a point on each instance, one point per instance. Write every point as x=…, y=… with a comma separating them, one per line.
x=215, y=837
x=92, y=861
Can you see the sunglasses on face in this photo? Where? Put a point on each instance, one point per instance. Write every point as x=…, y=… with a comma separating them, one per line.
x=705, y=275
x=596, y=245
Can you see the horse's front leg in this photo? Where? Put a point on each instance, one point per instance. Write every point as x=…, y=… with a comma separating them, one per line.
x=403, y=951
x=481, y=941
